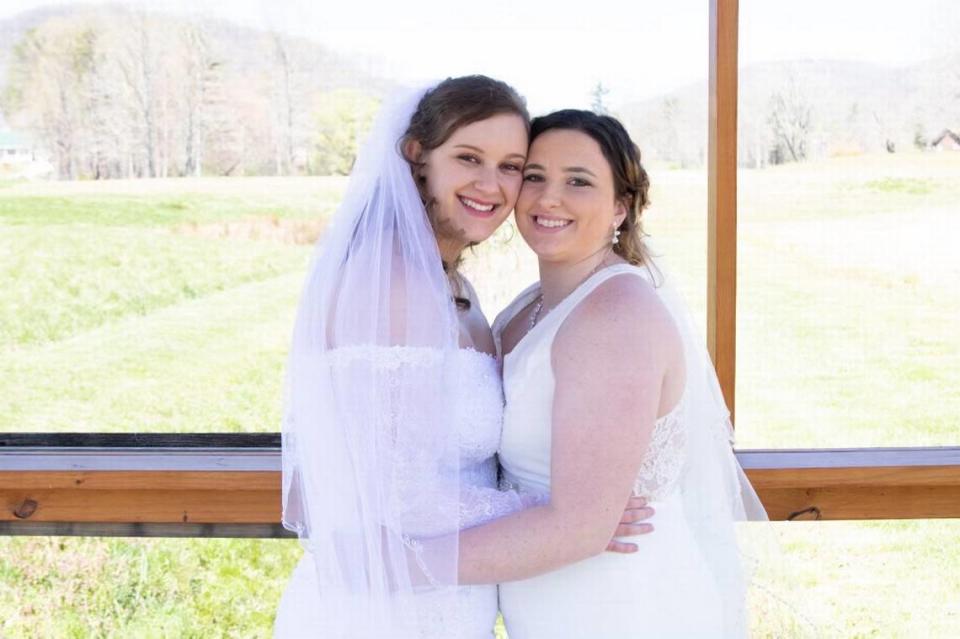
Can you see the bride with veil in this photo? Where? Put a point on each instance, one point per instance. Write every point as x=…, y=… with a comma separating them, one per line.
x=394, y=406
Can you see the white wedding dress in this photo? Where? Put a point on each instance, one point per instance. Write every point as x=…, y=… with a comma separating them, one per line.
x=476, y=399
x=664, y=589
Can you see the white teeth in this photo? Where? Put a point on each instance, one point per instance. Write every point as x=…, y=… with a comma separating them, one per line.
x=476, y=206
x=551, y=224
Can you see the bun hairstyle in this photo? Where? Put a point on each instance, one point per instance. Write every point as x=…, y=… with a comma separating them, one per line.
x=454, y=103
x=630, y=180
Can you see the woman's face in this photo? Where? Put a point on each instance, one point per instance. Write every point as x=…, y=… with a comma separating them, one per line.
x=474, y=178
x=567, y=208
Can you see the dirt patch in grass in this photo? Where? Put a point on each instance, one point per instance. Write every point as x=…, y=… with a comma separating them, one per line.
x=271, y=229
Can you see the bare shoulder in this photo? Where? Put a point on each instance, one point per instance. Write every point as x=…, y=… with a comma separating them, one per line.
x=625, y=301
x=623, y=315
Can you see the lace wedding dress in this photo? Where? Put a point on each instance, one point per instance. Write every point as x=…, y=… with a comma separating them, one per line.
x=664, y=589
x=476, y=401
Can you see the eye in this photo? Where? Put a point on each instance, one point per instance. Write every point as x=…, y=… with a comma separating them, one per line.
x=467, y=157
x=533, y=177
x=578, y=182
x=512, y=168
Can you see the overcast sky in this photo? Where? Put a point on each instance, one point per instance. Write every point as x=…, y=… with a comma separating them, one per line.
x=556, y=51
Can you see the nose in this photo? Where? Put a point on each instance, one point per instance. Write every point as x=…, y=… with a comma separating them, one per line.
x=486, y=181
x=548, y=197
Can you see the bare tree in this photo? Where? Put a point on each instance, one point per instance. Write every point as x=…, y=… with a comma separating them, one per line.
x=201, y=73
x=138, y=65
x=670, y=137
x=283, y=100
x=790, y=116
x=598, y=95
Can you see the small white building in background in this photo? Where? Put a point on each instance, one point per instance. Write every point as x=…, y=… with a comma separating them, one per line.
x=946, y=141
x=20, y=157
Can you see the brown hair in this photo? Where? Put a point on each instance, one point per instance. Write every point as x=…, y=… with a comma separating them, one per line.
x=454, y=103
x=630, y=180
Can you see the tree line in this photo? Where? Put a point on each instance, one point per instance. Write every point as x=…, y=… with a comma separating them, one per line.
x=121, y=94
x=803, y=110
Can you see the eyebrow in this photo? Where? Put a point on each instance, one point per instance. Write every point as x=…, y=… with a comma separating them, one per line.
x=480, y=151
x=569, y=169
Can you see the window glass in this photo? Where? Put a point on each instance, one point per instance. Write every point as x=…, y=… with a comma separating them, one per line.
x=173, y=163
x=848, y=209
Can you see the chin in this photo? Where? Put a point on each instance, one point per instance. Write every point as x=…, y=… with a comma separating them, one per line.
x=475, y=231
x=542, y=246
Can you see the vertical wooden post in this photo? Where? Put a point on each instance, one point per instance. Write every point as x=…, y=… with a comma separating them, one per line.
x=722, y=195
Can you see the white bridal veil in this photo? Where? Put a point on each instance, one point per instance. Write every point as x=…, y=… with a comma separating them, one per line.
x=716, y=493
x=750, y=569
x=366, y=433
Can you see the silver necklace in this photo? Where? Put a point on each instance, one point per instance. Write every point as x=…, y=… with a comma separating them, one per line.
x=536, y=311
x=535, y=315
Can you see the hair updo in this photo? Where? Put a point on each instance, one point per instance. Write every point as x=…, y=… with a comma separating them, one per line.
x=630, y=181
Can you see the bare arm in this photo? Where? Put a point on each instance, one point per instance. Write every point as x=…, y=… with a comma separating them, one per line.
x=610, y=360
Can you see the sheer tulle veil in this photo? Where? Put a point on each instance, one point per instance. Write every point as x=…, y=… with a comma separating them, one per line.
x=728, y=520
x=365, y=428
x=716, y=493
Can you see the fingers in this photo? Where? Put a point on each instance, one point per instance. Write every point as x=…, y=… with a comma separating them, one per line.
x=636, y=502
x=621, y=547
x=629, y=530
x=636, y=514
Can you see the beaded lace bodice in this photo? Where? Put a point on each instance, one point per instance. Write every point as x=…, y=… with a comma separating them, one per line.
x=477, y=400
x=473, y=396
x=663, y=462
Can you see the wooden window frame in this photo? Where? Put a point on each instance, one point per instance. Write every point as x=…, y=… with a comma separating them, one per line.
x=228, y=485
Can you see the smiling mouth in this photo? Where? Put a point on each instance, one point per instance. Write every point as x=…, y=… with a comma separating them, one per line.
x=475, y=206
x=551, y=223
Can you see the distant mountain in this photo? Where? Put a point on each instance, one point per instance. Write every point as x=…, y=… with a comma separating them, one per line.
x=328, y=69
x=831, y=106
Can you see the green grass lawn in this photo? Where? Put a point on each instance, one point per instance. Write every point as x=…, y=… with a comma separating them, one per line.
x=166, y=306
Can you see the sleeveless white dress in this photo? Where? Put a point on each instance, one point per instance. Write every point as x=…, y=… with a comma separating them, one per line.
x=661, y=591
x=478, y=398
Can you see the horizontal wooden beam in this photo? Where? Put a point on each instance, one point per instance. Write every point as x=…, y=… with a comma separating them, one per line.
x=856, y=483
x=861, y=502
x=235, y=490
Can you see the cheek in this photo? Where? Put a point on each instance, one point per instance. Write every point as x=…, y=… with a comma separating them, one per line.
x=526, y=198
x=596, y=219
x=442, y=181
x=511, y=186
